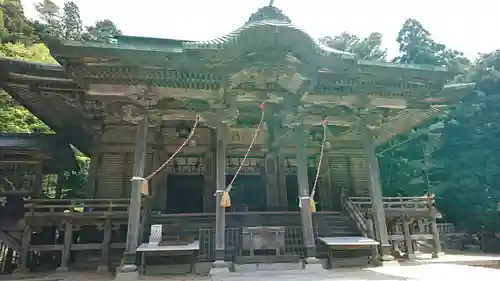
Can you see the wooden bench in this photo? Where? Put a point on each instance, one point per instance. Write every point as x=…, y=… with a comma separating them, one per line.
x=158, y=248
x=347, y=244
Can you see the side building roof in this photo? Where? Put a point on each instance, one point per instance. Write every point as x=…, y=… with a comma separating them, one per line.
x=43, y=90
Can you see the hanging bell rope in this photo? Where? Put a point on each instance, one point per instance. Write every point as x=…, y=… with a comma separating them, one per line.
x=145, y=181
x=225, y=201
x=312, y=203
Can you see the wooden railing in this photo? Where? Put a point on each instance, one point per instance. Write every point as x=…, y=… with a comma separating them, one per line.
x=76, y=207
x=414, y=203
x=355, y=214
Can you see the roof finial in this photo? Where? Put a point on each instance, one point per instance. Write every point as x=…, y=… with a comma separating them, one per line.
x=271, y=2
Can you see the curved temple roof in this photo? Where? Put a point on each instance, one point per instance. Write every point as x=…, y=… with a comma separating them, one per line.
x=267, y=59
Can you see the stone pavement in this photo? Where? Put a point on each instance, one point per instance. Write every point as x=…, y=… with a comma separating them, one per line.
x=423, y=272
x=426, y=272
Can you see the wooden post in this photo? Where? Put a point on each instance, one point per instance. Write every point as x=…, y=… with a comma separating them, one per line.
x=437, y=251
x=66, y=252
x=37, y=185
x=325, y=184
x=368, y=142
x=408, y=240
x=209, y=182
x=303, y=191
x=371, y=234
x=60, y=181
x=270, y=177
x=134, y=212
x=158, y=186
x=106, y=243
x=95, y=158
x=281, y=174
x=220, y=212
x=25, y=246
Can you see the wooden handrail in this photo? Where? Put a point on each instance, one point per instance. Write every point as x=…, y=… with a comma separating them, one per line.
x=355, y=214
x=415, y=202
x=35, y=207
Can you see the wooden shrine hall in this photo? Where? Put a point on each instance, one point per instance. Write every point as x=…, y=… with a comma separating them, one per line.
x=265, y=103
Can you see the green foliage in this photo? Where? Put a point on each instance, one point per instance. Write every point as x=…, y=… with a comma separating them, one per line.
x=13, y=117
x=101, y=31
x=455, y=155
x=71, y=22
x=368, y=48
x=14, y=27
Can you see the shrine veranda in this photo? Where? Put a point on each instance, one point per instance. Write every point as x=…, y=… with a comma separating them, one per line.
x=131, y=102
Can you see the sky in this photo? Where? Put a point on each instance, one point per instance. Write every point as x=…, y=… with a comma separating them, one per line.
x=468, y=26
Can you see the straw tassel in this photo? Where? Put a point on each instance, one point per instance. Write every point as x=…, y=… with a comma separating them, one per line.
x=225, y=199
x=312, y=205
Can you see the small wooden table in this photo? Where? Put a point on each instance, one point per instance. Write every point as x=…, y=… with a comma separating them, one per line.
x=181, y=249
x=347, y=243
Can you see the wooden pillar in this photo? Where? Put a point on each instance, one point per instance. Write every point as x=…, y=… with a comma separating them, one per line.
x=220, y=212
x=437, y=251
x=159, y=182
x=303, y=191
x=95, y=158
x=37, y=184
x=281, y=174
x=408, y=240
x=325, y=184
x=371, y=234
x=68, y=241
x=270, y=178
x=134, y=212
x=106, y=243
x=60, y=181
x=368, y=142
x=25, y=246
x=210, y=184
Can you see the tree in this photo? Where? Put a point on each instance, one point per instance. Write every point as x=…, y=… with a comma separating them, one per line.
x=71, y=22
x=101, y=31
x=416, y=46
x=14, y=27
x=49, y=14
x=453, y=156
x=369, y=48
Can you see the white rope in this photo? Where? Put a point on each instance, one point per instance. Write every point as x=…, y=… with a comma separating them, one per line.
x=254, y=138
x=191, y=134
x=313, y=192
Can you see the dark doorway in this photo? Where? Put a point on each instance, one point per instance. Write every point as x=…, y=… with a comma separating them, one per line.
x=248, y=193
x=185, y=193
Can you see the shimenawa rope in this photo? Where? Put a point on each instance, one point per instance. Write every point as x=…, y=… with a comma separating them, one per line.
x=225, y=200
x=144, y=184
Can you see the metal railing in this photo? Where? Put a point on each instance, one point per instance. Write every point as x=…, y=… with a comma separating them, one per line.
x=294, y=244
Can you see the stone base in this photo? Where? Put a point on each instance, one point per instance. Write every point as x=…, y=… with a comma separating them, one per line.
x=437, y=255
x=412, y=257
x=220, y=264
x=126, y=268
x=385, y=258
x=102, y=269
x=126, y=276
x=389, y=263
x=203, y=268
x=62, y=269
